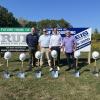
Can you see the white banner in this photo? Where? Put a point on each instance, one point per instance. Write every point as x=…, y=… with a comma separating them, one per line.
x=13, y=39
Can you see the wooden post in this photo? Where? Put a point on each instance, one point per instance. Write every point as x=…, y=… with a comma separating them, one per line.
x=89, y=57
x=95, y=66
x=0, y=58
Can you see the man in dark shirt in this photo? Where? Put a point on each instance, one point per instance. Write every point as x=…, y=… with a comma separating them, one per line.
x=32, y=42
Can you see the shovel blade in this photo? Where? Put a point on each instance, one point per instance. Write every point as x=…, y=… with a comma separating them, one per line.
x=21, y=75
x=77, y=74
x=6, y=75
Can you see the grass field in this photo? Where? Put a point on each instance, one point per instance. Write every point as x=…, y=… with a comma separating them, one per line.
x=65, y=87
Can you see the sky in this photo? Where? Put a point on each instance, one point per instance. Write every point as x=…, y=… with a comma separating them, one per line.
x=80, y=13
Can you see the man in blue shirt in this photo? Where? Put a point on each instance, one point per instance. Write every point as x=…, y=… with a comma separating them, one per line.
x=69, y=43
x=32, y=42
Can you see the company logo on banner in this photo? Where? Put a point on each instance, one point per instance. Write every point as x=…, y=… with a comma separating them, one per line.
x=13, y=39
x=83, y=39
x=82, y=35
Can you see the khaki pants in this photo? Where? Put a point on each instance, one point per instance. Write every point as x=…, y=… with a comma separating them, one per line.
x=45, y=52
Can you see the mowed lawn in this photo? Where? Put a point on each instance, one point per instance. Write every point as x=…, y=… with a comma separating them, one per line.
x=65, y=87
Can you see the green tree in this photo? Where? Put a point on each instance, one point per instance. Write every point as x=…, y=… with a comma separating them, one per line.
x=53, y=23
x=96, y=35
x=96, y=31
x=7, y=19
x=63, y=23
x=43, y=24
x=22, y=22
x=31, y=24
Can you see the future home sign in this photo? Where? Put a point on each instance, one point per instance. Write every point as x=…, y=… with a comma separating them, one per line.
x=13, y=39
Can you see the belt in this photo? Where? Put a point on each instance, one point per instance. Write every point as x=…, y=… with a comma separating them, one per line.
x=45, y=47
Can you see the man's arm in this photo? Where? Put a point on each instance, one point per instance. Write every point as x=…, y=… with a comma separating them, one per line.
x=27, y=39
x=39, y=43
x=63, y=46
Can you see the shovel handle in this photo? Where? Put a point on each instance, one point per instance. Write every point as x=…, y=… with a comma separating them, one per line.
x=7, y=66
x=32, y=61
x=76, y=64
x=7, y=62
x=95, y=63
x=54, y=62
x=21, y=69
x=38, y=63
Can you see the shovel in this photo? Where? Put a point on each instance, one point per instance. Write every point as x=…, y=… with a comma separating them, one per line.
x=38, y=71
x=21, y=74
x=6, y=73
x=54, y=72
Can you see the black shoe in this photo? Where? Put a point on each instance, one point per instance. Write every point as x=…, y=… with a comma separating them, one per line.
x=72, y=66
x=68, y=69
x=35, y=66
x=29, y=69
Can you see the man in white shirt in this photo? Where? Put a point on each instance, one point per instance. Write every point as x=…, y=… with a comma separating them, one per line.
x=44, y=41
x=55, y=44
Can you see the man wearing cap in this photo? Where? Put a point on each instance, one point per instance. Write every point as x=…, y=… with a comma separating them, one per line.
x=32, y=42
x=69, y=44
x=44, y=41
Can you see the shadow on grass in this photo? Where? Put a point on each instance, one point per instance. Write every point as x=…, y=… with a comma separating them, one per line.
x=15, y=70
x=63, y=62
x=2, y=70
x=82, y=62
x=17, y=60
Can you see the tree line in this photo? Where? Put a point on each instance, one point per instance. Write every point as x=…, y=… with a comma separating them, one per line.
x=7, y=19
x=96, y=35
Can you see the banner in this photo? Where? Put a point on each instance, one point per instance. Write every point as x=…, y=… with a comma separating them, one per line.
x=82, y=35
x=13, y=39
